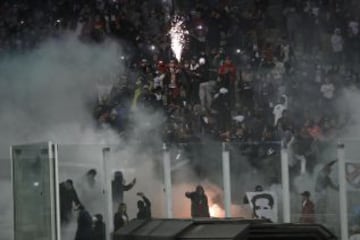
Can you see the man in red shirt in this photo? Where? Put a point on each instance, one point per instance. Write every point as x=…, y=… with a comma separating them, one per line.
x=227, y=74
x=308, y=209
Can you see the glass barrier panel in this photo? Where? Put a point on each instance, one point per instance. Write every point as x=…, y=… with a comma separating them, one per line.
x=83, y=165
x=314, y=183
x=6, y=201
x=141, y=168
x=33, y=191
x=352, y=171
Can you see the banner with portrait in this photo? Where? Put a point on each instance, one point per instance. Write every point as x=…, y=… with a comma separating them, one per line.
x=352, y=170
x=263, y=205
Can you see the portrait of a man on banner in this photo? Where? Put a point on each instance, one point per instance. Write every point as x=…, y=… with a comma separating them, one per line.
x=353, y=176
x=263, y=205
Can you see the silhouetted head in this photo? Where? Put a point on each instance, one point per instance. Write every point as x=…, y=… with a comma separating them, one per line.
x=140, y=204
x=118, y=176
x=91, y=173
x=258, y=188
x=200, y=189
x=99, y=217
x=122, y=207
x=69, y=184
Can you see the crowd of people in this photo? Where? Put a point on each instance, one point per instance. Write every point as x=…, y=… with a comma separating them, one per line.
x=91, y=225
x=256, y=71
x=251, y=71
x=248, y=73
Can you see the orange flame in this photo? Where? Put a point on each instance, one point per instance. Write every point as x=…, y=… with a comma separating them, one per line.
x=216, y=211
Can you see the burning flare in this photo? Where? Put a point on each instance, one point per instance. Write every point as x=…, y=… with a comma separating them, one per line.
x=216, y=211
x=178, y=34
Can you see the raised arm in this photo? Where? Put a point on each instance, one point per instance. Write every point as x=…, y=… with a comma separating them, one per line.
x=76, y=198
x=189, y=195
x=129, y=186
x=147, y=201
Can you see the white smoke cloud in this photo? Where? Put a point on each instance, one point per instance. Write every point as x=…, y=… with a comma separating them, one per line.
x=46, y=95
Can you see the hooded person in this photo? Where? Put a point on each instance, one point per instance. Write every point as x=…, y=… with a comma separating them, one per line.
x=199, y=203
x=99, y=228
x=121, y=217
x=119, y=185
x=84, y=229
x=68, y=197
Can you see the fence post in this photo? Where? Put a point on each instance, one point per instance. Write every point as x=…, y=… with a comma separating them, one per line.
x=107, y=192
x=167, y=180
x=285, y=183
x=342, y=192
x=226, y=179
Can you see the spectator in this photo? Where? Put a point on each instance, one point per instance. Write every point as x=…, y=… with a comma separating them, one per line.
x=205, y=84
x=84, y=229
x=308, y=209
x=199, y=203
x=99, y=228
x=227, y=74
x=221, y=105
x=68, y=197
x=144, y=207
x=279, y=108
x=121, y=218
x=327, y=89
x=337, y=44
x=119, y=186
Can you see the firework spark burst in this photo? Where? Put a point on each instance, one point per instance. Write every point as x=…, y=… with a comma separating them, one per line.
x=178, y=35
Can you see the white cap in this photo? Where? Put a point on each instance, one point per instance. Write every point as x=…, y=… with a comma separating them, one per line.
x=202, y=61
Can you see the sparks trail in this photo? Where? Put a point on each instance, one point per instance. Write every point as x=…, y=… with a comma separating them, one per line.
x=178, y=35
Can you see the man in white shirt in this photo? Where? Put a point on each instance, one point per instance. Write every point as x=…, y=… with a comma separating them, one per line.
x=354, y=27
x=279, y=108
x=337, y=41
x=327, y=89
x=337, y=44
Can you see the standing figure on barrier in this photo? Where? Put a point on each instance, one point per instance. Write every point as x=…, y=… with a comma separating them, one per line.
x=90, y=191
x=323, y=182
x=144, y=207
x=99, y=228
x=68, y=197
x=121, y=217
x=118, y=186
x=85, y=225
x=199, y=203
x=308, y=209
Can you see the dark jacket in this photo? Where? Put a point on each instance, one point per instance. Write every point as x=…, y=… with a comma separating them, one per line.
x=118, y=188
x=145, y=210
x=67, y=198
x=99, y=231
x=199, y=204
x=84, y=230
x=119, y=221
